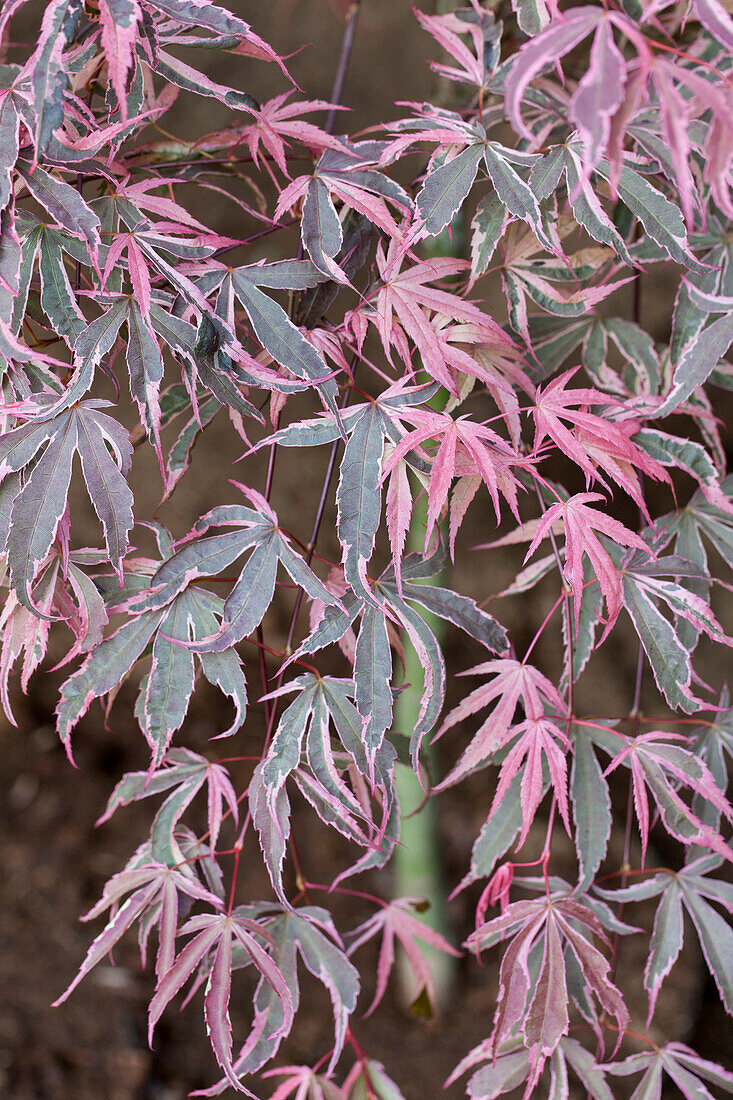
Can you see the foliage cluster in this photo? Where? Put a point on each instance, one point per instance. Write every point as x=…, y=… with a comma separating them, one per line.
x=545, y=417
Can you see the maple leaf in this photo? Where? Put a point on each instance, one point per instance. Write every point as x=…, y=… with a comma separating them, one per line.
x=201, y=555
x=691, y=889
x=451, y=174
x=153, y=890
x=598, y=94
x=513, y=684
x=466, y=449
x=72, y=596
x=500, y=368
x=539, y=1007
x=597, y=441
x=271, y=325
x=580, y=523
x=40, y=503
x=686, y=1069
x=216, y=934
x=695, y=460
x=716, y=20
x=368, y=1074
x=348, y=175
x=48, y=247
x=301, y=747
x=395, y=606
x=510, y=1067
x=703, y=517
x=120, y=23
x=662, y=220
x=308, y=933
x=538, y=738
x=591, y=805
x=603, y=113
x=184, y=772
x=405, y=306
x=50, y=78
x=22, y=631
x=370, y=428
x=561, y=287
x=681, y=92
x=167, y=620
x=396, y=921
x=305, y=1083
x=704, y=347
x=659, y=763
x=447, y=30
x=277, y=119
x=669, y=646
x=587, y=207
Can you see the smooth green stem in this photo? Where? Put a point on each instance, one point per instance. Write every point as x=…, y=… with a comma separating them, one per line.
x=416, y=864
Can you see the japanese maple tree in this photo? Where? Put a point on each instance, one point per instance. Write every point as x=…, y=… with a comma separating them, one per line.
x=588, y=148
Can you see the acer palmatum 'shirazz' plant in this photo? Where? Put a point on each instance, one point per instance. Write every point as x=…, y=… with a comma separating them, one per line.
x=616, y=165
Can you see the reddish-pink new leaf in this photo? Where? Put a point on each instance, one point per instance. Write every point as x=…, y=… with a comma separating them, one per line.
x=305, y=1083
x=154, y=886
x=406, y=306
x=396, y=920
x=596, y=441
x=466, y=449
x=513, y=681
x=540, y=738
x=277, y=120
x=581, y=523
x=447, y=30
x=599, y=94
x=658, y=762
x=399, y=515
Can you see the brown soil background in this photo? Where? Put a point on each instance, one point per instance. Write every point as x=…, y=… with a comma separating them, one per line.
x=54, y=861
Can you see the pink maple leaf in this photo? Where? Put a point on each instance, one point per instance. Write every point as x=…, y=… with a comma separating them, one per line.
x=305, y=1083
x=558, y=926
x=581, y=523
x=396, y=921
x=153, y=889
x=215, y=934
x=165, y=207
x=399, y=514
x=513, y=682
x=119, y=39
x=137, y=266
x=406, y=305
x=605, y=451
x=539, y=738
x=466, y=449
x=658, y=761
x=596, y=442
x=23, y=632
x=355, y=193
x=447, y=30
x=597, y=96
x=277, y=119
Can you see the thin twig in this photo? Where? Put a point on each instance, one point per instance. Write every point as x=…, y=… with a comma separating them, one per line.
x=309, y=557
x=347, y=46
